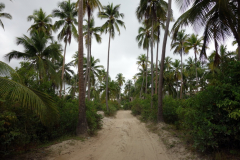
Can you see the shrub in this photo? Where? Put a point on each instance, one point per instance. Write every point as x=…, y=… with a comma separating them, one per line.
x=113, y=107
x=170, y=106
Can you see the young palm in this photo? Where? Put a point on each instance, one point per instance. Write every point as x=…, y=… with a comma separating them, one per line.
x=112, y=14
x=67, y=14
x=89, y=32
x=3, y=15
x=195, y=43
x=143, y=39
x=179, y=45
x=42, y=22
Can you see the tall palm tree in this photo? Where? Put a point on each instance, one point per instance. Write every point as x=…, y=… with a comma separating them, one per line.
x=42, y=22
x=67, y=14
x=143, y=39
x=120, y=79
x=160, y=95
x=82, y=121
x=195, y=43
x=149, y=10
x=38, y=52
x=89, y=32
x=112, y=14
x=142, y=62
x=3, y=15
x=179, y=45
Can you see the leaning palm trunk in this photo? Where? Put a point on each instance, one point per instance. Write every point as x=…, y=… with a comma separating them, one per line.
x=152, y=84
x=160, y=90
x=82, y=122
x=108, y=71
x=181, y=76
x=146, y=72
x=63, y=67
x=156, y=84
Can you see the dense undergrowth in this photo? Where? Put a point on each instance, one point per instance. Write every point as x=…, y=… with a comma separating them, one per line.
x=210, y=119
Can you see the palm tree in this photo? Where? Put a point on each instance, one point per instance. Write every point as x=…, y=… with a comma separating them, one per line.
x=111, y=13
x=67, y=14
x=142, y=62
x=4, y=15
x=120, y=79
x=38, y=52
x=42, y=22
x=40, y=103
x=179, y=45
x=143, y=39
x=195, y=43
x=149, y=10
x=177, y=75
x=160, y=95
x=82, y=121
x=93, y=32
x=95, y=71
x=128, y=86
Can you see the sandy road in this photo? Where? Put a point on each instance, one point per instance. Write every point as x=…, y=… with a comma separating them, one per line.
x=122, y=138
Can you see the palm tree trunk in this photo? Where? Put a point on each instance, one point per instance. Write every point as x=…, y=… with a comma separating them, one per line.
x=87, y=77
x=238, y=30
x=195, y=52
x=160, y=92
x=63, y=67
x=181, y=76
x=89, y=72
x=108, y=71
x=82, y=122
x=156, y=84
x=142, y=86
x=152, y=84
x=146, y=72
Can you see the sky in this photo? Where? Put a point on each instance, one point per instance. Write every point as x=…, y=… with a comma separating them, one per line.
x=123, y=50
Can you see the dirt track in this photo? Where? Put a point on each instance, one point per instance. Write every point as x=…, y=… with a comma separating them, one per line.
x=122, y=138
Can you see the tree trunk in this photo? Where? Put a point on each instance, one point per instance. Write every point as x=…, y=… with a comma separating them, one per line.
x=108, y=71
x=152, y=83
x=181, y=76
x=195, y=52
x=89, y=72
x=142, y=85
x=146, y=72
x=63, y=68
x=88, y=55
x=82, y=121
x=156, y=81
x=160, y=93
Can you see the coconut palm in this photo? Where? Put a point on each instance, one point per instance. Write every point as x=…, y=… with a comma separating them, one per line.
x=40, y=103
x=148, y=11
x=160, y=95
x=142, y=62
x=3, y=15
x=177, y=74
x=195, y=43
x=112, y=14
x=42, y=22
x=82, y=121
x=95, y=71
x=38, y=51
x=179, y=45
x=143, y=39
x=93, y=32
x=67, y=14
x=120, y=79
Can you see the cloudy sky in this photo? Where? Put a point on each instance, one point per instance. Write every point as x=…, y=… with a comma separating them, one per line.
x=124, y=49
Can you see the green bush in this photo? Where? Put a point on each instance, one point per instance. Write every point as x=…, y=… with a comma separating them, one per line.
x=170, y=106
x=113, y=107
